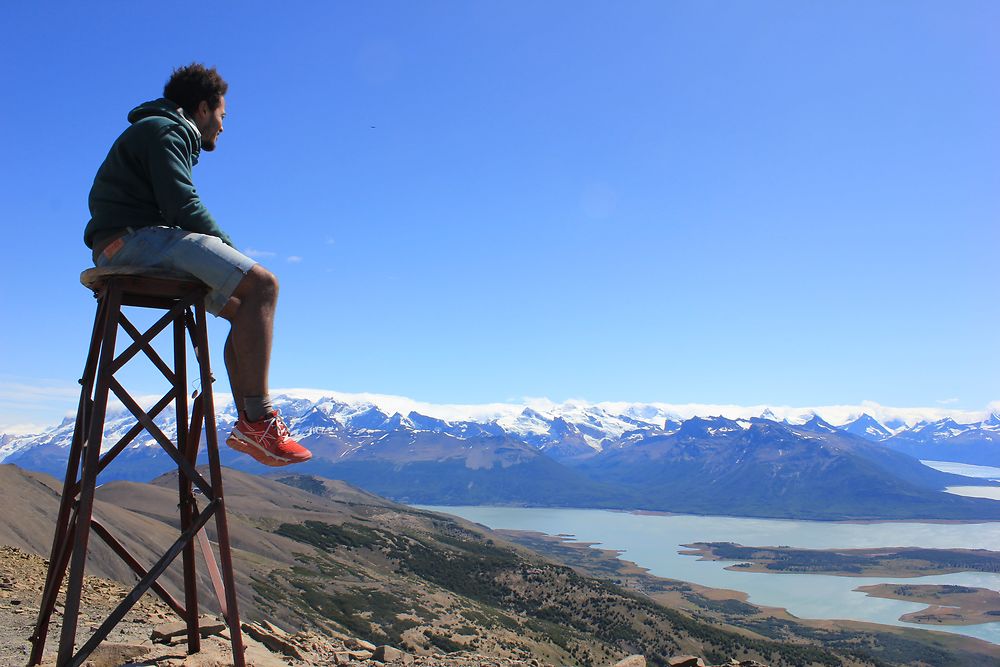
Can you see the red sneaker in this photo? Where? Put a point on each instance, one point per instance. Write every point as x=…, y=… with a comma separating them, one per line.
x=267, y=441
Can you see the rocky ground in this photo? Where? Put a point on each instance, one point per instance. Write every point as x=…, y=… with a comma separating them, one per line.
x=152, y=635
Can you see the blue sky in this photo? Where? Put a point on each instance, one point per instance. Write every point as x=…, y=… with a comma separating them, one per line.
x=712, y=202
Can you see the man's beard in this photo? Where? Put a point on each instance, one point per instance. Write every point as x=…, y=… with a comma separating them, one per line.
x=207, y=145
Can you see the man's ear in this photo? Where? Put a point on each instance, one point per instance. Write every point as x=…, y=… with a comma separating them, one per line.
x=203, y=109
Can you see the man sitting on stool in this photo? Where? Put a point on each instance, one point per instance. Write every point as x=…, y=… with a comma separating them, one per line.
x=145, y=211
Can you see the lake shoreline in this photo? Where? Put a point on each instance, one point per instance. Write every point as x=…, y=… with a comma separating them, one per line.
x=860, y=522
x=883, y=562
x=727, y=607
x=652, y=541
x=946, y=605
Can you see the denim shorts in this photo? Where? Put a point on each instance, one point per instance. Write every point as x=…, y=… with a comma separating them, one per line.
x=205, y=257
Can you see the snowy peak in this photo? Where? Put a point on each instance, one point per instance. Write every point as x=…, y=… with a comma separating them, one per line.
x=640, y=414
x=698, y=427
x=818, y=425
x=569, y=430
x=424, y=423
x=868, y=428
x=313, y=419
x=367, y=417
x=397, y=422
x=530, y=424
x=941, y=429
x=991, y=423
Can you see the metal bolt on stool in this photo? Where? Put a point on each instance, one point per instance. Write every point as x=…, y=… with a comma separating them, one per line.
x=183, y=297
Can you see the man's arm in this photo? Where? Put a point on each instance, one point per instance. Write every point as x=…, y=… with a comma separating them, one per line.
x=169, y=165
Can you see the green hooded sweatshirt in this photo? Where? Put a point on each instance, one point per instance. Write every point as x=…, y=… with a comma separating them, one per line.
x=146, y=179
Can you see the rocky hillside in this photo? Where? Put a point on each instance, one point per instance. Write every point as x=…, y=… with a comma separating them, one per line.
x=318, y=556
x=149, y=636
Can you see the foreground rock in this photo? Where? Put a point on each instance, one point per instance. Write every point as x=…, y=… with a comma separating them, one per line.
x=632, y=661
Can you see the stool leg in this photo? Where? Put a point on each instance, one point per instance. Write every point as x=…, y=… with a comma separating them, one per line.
x=63, y=537
x=91, y=455
x=187, y=446
x=215, y=467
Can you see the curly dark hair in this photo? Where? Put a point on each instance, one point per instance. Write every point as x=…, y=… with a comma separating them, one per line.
x=189, y=85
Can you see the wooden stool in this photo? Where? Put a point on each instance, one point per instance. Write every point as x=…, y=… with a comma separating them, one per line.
x=178, y=294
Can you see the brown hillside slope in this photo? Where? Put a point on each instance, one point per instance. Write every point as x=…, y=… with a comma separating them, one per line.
x=317, y=555
x=148, y=635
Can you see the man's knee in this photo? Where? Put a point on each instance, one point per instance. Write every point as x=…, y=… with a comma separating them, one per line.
x=258, y=284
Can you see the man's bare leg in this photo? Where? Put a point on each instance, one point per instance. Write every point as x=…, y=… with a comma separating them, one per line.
x=232, y=369
x=248, y=347
x=259, y=432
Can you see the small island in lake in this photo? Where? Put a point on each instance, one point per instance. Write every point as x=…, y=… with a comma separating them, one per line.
x=947, y=605
x=881, y=562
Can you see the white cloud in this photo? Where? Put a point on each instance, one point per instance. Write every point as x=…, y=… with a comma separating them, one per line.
x=31, y=407
x=23, y=429
x=258, y=254
x=294, y=259
x=20, y=399
x=27, y=403
x=948, y=401
x=43, y=391
x=834, y=414
x=403, y=405
x=34, y=406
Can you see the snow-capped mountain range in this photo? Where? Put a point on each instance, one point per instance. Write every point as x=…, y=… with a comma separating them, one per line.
x=571, y=429
x=579, y=454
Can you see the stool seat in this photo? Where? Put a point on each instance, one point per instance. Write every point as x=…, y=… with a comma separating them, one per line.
x=141, y=285
x=95, y=277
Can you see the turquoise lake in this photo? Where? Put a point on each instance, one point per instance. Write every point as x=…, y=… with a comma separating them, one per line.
x=653, y=542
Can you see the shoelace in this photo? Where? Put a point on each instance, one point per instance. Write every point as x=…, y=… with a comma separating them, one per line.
x=282, y=429
x=267, y=430
x=278, y=424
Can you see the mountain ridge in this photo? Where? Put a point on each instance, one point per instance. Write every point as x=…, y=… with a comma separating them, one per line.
x=587, y=457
